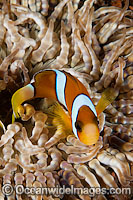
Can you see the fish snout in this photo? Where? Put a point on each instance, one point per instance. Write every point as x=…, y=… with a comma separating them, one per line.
x=89, y=134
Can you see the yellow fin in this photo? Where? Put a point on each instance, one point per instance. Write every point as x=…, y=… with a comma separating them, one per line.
x=20, y=111
x=13, y=118
x=2, y=126
x=21, y=95
x=108, y=96
x=56, y=111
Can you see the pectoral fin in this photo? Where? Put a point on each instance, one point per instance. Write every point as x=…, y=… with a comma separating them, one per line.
x=108, y=96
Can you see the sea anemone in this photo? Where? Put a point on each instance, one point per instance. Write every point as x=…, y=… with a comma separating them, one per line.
x=92, y=40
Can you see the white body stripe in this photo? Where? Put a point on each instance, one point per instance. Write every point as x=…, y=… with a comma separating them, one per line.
x=79, y=101
x=60, y=86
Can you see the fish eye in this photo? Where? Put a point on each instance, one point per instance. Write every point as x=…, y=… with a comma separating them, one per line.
x=78, y=125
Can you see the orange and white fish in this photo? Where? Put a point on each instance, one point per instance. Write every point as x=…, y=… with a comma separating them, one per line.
x=72, y=94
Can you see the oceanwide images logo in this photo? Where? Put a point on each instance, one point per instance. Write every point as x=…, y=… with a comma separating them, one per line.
x=8, y=190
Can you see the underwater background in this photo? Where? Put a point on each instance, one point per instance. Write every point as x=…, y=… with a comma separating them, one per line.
x=93, y=41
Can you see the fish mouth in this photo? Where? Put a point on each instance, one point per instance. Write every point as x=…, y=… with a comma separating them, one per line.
x=90, y=134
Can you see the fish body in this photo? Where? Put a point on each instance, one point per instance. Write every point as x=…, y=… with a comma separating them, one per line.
x=69, y=92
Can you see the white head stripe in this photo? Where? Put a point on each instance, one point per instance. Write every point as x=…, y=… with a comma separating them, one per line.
x=79, y=101
x=60, y=86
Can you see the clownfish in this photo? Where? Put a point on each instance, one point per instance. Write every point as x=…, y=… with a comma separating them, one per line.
x=72, y=94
